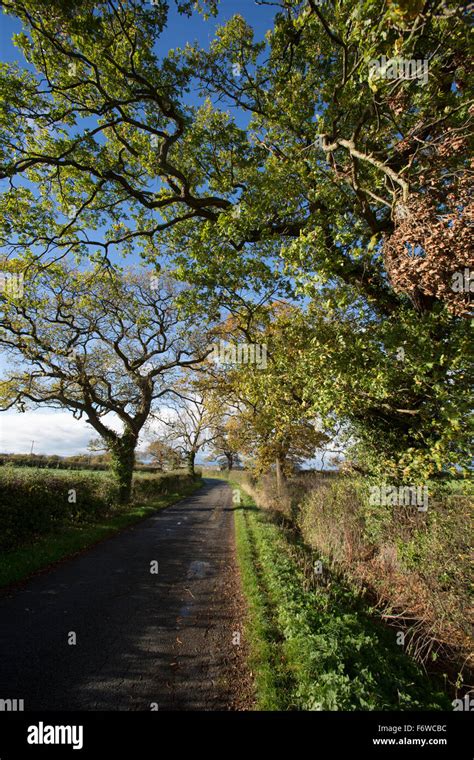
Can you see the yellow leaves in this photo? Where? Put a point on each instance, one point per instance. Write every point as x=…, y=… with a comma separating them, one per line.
x=373, y=242
x=398, y=46
x=6, y=392
x=405, y=10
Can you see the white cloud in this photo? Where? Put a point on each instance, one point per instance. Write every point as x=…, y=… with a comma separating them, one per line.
x=53, y=432
x=57, y=432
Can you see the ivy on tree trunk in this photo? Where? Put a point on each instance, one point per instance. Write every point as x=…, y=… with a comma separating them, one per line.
x=190, y=461
x=123, y=460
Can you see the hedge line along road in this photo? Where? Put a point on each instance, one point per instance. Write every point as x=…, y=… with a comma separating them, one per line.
x=144, y=640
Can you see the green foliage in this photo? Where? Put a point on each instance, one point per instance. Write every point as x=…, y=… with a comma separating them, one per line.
x=98, y=462
x=397, y=390
x=415, y=563
x=147, y=487
x=35, y=501
x=330, y=161
x=268, y=418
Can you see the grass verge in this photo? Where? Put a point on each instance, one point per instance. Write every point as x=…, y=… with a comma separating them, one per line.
x=18, y=564
x=315, y=644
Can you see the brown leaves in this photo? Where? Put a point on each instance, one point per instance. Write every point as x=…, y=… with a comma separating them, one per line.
x=430, y=253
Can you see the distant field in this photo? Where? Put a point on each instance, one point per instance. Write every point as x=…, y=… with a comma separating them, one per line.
x=41, y=462
x=67, y=471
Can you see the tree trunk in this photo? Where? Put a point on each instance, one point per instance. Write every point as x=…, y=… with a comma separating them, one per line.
x=279, y=476
x=190, y=460
x=230, y=460
x=122, y=453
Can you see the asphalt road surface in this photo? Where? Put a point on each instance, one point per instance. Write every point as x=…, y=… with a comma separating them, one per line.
x=143, y=640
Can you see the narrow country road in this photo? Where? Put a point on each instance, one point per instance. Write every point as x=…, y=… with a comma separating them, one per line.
x=143, y=640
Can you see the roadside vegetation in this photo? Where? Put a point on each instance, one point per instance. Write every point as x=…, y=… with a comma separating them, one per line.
x=315, y=641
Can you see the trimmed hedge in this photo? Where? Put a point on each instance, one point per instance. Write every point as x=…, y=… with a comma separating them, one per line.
x=39, y=461
x=33, y=502
x=146, y=487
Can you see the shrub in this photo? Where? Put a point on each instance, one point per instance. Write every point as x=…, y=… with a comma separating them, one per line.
x=413, y=564
x=321, y=642
x=34, y=501
x=149, y=486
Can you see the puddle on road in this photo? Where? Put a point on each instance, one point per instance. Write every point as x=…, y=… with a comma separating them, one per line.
x=198, y=569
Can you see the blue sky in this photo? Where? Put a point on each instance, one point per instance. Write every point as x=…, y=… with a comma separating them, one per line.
x=57, y=432
x=179, y=30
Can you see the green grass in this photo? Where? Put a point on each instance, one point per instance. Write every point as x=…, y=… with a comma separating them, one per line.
x=316, y=645
x=65, y=541
x=261, y=631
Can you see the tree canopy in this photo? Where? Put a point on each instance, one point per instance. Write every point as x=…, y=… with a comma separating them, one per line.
x=326, y=165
